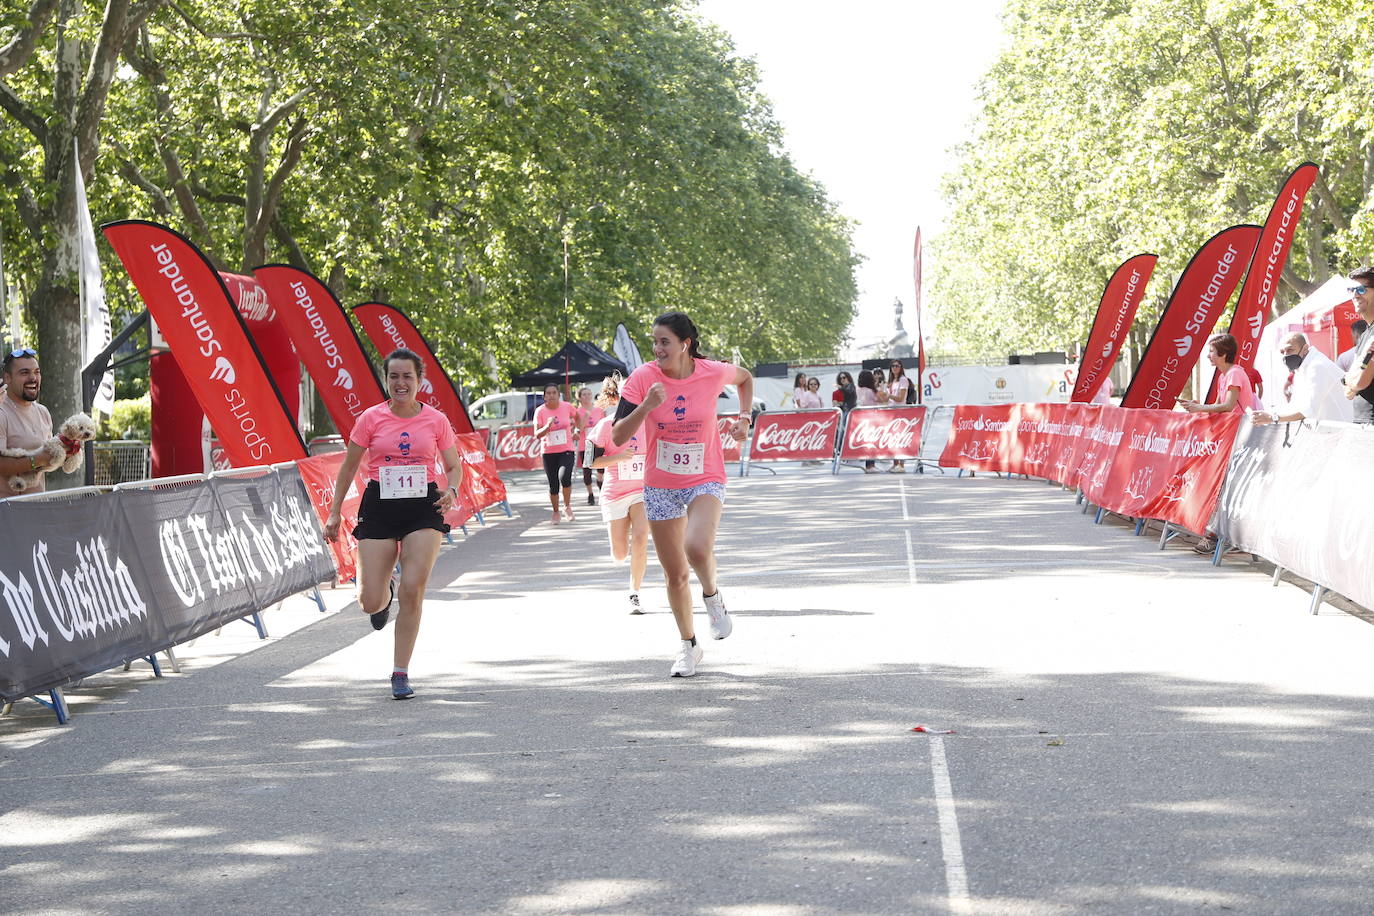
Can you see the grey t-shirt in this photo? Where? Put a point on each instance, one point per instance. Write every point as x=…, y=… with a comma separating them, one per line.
x=26, y=425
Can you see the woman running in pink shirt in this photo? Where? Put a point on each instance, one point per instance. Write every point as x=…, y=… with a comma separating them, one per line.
x=672, y=402
x=622, y=498
x=402, y=510
x=555, y=422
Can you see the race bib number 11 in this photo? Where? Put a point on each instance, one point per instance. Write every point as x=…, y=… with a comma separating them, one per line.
x=403, y=482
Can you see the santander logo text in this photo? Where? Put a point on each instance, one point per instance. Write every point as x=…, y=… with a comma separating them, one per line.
x=1183, y=345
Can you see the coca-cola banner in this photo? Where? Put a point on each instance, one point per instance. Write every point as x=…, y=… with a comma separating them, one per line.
x=795, y=435
x=1256, y=301
x=325, y=341
x=882, y=433
x=389, y=329
x=731, y=448
x=482, y=487
x=518, y=448
x=1190, y=317
x=320, y=472
x=92, y=581
x=1115, y=312
x=207, y=338
x=1291, y=496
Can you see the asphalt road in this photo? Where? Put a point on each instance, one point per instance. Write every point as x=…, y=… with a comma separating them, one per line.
x=1133, y=731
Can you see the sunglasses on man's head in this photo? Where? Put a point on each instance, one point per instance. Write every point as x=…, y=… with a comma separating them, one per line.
x=23, y=351
x=1357, y=290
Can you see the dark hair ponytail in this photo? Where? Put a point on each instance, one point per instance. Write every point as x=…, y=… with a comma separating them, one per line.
x=682, y=327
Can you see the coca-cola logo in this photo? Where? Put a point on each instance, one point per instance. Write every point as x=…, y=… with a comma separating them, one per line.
x=811, y=436
x=896, y=433
x=518, y=443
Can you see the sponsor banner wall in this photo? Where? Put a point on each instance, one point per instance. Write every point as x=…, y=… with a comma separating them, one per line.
x=325, y=341
x=880, y=433
x=208, y=339
x=90, y=582
x=320, y=472
x=795, y=435
x=1115, y=312
x=389, y=329
x=1291, y=496
x=518, y=448
x=950, y=386
x=730, y=447
x=1189, y=318
x=482, y=486
x=976, y=438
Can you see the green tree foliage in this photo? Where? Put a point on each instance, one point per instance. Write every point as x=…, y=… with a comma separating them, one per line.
x=1110, y=128
x=445, y=157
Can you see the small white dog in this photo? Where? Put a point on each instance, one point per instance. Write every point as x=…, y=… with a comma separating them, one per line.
x=63, y=451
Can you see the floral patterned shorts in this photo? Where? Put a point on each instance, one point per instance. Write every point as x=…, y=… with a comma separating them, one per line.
x=661, y=505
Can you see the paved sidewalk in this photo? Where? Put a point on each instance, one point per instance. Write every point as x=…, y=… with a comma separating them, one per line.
x=1134, y=731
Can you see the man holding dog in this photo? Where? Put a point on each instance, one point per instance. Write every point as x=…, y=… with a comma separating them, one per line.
x=24, y=423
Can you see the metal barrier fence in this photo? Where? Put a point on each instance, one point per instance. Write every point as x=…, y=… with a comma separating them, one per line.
x=121, y=460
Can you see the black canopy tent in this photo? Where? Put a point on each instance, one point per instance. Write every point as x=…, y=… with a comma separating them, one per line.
x=577, y=362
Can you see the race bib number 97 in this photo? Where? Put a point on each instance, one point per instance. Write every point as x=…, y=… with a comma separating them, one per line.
x=403, y=482
x=681, y=458
x=633, y=469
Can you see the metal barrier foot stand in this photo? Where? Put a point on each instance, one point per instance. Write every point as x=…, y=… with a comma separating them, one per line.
x=481, y=521
x=1278, y=573
x=57, y=703
x=152, y=660
x=172, y=661
x=316, y=597
x=1139, y=526
x=1098, y=519
x=255, y=619
x=505, y=504
x=1216, y=554
x=5, y=708
x=1317, y=592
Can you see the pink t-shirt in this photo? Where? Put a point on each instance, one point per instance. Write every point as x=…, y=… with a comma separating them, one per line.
x=403, y=441
x=559, y=438
x=1235, y=377
x=866, y=397
x=680, y=437
x=589, y=419
x=624, y=477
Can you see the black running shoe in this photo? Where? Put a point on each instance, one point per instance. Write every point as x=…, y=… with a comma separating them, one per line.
x=400, y=687
x=380, y=618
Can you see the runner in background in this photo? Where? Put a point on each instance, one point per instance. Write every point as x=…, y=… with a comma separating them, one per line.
x=622, y=499
x=672, y=400
x=555, y=422
x=588, y=415
x=402, y=509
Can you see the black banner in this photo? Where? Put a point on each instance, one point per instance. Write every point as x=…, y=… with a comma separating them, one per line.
x=1292, y=496
x=91, y=581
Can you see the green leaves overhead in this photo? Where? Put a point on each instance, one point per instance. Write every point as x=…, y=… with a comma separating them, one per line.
x=1111, y=128
x=443, y=157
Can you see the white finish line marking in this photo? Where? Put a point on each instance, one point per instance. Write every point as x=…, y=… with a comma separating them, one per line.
x=956, y=879
x=910, y=561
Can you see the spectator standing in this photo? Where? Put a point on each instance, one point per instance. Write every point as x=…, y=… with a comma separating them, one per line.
x=809, y=397
x=899, y=391
x=866, y=395
x=844, y=396
x=1314, y=383
x=798, y=389
x=24, y=423
x=1359, y=379
x=1347, y=358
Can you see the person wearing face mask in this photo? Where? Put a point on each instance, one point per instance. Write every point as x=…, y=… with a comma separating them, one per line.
x=1314, y=383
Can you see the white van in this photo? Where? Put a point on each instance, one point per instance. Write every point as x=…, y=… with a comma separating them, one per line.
x=504, y=409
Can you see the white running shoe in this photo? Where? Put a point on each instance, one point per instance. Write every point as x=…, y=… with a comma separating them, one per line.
x=685, y=665
x=634, y=604
x=721, y=624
